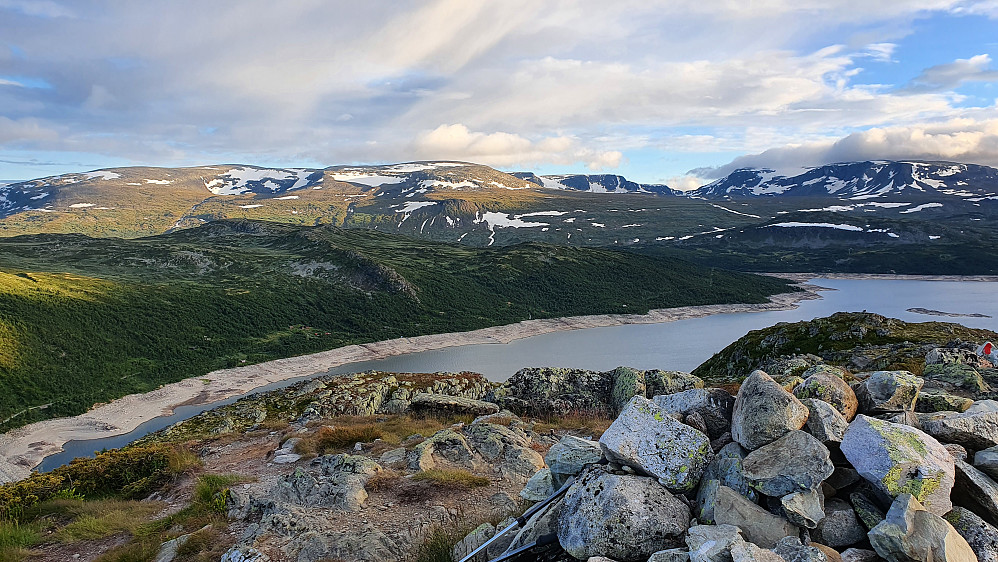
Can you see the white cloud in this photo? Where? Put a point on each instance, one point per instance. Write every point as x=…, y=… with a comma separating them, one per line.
x=960, y=140
x=950, y=75
x=506, y=149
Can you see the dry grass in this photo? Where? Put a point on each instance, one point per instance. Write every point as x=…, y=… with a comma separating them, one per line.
x=576, y=423
x=103, y=518
x=343, y=432
x=385, y=480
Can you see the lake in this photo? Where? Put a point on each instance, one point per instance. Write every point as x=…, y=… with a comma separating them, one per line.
x=680, y=345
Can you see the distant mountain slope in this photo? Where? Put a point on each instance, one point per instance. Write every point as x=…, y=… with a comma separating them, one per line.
x=861, y=181
x=595, y=183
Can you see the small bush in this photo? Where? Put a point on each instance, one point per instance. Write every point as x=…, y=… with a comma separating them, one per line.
x=212, y=492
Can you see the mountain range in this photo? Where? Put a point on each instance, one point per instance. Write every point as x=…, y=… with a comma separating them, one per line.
x=848, y=216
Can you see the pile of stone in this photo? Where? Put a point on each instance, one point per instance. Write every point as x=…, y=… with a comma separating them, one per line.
x=813, y=469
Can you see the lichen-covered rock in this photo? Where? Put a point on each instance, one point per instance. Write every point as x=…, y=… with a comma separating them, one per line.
x=764, y=412
x=507, y=449
x=337, y=481
x=955, y=377
x=712, y=543
x=539, y=487
x=793, y=463
x=828, y=386
x=712, y=405
x=244, y=554
x=473, y=540
x=840, y=527
x=623, y=517
x=627, y=383
x=758, y=525
x=544, y=522
x=447, y=444
x=646, y=438
x=425, y=402
x=824, y=422
x=791, y=550
x=866, y=510
x=669, y=382
x=911, y=533
x=706, y=499
x=976, y=428
x=728, y=469
x=929, y=402
x=804, y=508
x=979, y=534
x=568, y=457
x=859, y=555
x=898, y=459
x=976, y=491
x=888, y=391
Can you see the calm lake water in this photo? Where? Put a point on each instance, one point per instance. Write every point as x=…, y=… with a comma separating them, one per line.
x=678, y=345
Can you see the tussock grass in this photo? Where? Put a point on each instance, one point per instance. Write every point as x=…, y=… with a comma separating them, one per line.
x=15, y=540
x=579, y=423
x=453, y=478
x=103, y=518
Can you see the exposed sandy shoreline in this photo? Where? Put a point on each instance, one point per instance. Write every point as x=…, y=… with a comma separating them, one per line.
x=24, y=448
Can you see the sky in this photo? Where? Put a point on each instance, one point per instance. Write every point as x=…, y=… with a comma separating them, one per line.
x=678, y=92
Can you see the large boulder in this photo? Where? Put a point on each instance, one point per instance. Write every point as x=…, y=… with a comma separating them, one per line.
x=764, y=411
x=955, y=377
x=623, y=517
x=981, y=536
x=713, y=405
x=910, y=533
x=888, y=391
x=829, y=387
x=539, y=487
x=793, y=463
x=976, y=428
x=976, y=491
x=669, y=382
x=646, y=438
x=758, y=525
x=748, y=552
x=898, y=459
x=507, y=449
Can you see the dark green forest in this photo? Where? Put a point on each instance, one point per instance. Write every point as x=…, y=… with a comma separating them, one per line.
x=85, y=320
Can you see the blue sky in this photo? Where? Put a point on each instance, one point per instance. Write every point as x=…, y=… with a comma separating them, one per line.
x=677, y=91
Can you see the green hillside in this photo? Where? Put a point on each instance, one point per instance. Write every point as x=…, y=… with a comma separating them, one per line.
x=84, y=320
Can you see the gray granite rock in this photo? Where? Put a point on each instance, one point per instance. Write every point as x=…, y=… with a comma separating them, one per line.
x=911, y=533
x=624, y=517
x=670, y=555
x=646, y=438
x=764, y=411
x=824, y=422
x=987, y=461
x=899, y=459
x=539, y=487
x=976, y=491
x=979, y=534
x=805, y=508
x=758, y=525
x=425, y=402
x=712, y=543
x=830, y=388
x=748, y=552
x=712, y=405
x=976, y=428
x=791, y=550
x=569, y=456
x=887, y=391
x=840, y=527
x=793, y=463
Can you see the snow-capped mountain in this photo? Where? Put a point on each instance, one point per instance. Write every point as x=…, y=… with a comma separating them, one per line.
x=595, y=183
x=862, y=180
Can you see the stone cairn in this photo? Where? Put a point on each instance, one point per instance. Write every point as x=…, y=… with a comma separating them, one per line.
x=812, y=470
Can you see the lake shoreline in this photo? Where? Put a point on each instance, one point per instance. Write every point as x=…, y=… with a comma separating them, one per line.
x=24, y=448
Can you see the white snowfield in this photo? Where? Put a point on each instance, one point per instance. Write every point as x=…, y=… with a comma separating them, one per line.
x=102, y=175
x=81, y=205
x=921, y=208
x=817, y=225
x=411, y=206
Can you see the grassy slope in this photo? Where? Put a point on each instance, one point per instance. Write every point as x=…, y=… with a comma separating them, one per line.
x=86, y=320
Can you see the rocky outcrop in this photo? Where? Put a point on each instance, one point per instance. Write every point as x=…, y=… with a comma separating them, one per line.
x=887, y=391
x=424, y=402
x=550, y=391
x=976, y=428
